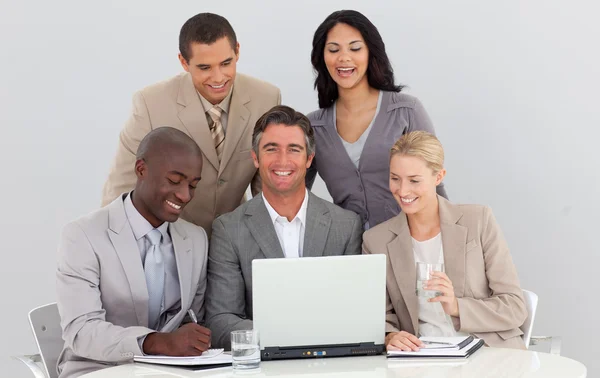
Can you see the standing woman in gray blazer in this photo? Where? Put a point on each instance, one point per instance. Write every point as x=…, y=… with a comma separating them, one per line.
x=362, y=113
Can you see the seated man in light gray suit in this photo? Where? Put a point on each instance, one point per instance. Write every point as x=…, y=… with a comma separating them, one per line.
x=129, y=274
x=285, y=221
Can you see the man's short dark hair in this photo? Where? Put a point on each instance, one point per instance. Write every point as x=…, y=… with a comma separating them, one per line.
x=284, y=115
x=204, y=28
x=163, y=140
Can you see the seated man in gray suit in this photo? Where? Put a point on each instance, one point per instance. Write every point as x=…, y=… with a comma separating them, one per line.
x=130, y=273
x=285, y=221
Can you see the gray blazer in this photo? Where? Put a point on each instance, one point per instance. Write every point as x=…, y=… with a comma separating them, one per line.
x=247, y=234
x=101, y=288
x=399, y=114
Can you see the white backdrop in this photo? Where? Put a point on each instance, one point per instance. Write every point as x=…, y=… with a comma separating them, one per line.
x=511, y=87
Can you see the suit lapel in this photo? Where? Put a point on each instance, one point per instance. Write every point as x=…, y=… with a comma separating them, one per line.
x=194, y=119
x=317, y=226
x=401, y=257
x=121, y=236
x=454, y=241
x=182, y=245
x=261, y=227
x=237, y=121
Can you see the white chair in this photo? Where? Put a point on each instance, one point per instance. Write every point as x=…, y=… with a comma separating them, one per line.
x=45, y=324
x=531, y=302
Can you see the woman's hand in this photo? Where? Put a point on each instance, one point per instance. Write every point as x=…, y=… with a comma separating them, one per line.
x=439, y=281
x=403, y=341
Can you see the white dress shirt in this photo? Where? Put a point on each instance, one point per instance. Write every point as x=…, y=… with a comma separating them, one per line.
x=433, y=321
x=140, y=227
x=290, y=234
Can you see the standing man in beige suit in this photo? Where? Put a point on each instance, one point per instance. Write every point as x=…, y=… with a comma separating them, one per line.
x=130, y=273
x=215, y=106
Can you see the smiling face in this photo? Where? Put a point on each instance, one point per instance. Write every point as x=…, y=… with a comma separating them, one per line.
x=282, y=160
x=346, y=56
x=212, y=67
x=166, y=184
x=413, y=183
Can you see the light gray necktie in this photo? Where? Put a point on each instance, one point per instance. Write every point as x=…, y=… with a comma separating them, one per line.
x=154, y=269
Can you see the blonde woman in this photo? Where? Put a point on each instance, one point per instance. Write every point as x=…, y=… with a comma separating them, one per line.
x=480, y=293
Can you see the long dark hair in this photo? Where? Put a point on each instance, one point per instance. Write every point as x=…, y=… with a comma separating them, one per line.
x=380, y=74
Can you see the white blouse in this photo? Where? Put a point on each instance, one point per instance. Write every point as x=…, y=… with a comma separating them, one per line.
x=433, y=321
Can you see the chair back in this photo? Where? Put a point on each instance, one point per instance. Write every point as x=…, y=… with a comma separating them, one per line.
x=45, y=324
x=531, y=302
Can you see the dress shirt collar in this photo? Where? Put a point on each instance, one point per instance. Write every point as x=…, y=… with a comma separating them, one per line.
x=140, y=225
x=301, y=215
x=224, y=105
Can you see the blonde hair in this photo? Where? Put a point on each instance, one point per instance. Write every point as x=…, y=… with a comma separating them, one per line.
x=423, y=145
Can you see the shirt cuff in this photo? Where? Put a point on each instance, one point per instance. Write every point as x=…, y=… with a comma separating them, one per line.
x=141, y=340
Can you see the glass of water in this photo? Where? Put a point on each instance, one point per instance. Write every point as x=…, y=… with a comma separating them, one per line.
x=423, y=274
x=245, y=350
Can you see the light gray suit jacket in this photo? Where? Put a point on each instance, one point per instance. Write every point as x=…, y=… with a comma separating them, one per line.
x=247, y=234
x=102, y=293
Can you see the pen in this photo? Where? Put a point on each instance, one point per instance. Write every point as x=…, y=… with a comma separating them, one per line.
x=195, y=320
x=192, y=316
x=437, y=342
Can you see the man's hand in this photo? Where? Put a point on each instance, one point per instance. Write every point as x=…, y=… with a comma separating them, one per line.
x=190, y=339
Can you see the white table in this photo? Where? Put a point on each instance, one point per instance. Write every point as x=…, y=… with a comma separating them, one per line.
x=487, y=362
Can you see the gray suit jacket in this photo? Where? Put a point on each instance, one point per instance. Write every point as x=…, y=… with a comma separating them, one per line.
x=247, y=234
x=477, y=261
x=366, y=190
x=102, y=293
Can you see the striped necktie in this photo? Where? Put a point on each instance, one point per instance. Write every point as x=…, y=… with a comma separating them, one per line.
x=216, y=130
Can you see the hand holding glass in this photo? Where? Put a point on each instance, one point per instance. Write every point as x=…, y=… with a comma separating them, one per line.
x=423, y=275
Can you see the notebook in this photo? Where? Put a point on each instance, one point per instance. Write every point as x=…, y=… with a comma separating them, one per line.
x=445, y=343
x=463, y=351
x=210, y=357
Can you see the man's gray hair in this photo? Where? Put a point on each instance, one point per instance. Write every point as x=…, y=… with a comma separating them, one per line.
x=284, y=115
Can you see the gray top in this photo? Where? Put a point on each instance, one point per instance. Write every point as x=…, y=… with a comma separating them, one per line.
x=365, y=189
x=354, y=150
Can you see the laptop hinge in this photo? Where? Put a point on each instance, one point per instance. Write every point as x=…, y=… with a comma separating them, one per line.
x=318, y=351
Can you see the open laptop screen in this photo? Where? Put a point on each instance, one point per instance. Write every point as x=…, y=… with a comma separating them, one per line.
x=319, y=301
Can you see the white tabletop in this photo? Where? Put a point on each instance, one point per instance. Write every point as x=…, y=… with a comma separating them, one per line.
x=487, y=362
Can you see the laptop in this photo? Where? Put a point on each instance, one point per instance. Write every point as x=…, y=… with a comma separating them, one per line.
x=329, y=306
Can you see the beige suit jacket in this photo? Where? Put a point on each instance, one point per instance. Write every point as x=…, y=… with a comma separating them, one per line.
x=477, y=261
x=101, y=288
x=175, y=103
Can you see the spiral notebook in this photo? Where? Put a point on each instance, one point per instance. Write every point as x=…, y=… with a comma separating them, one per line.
x=210, y=357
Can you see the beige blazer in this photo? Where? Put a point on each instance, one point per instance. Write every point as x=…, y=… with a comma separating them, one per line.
x=101, y=288
x=477, y=261
x=175, y=103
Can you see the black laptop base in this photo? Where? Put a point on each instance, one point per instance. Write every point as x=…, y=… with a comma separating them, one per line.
x=320, y=351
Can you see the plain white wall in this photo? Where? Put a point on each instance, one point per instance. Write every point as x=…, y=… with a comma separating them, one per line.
x=511, y=87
